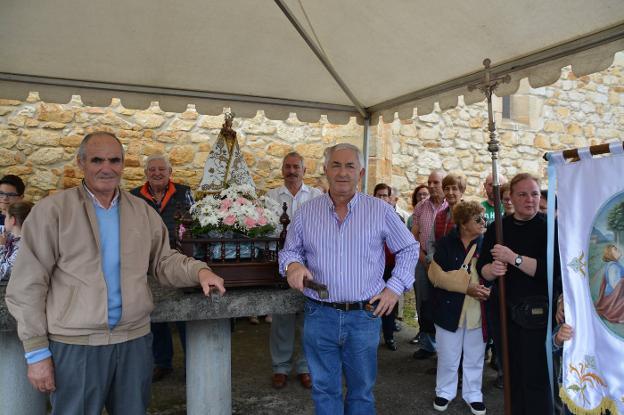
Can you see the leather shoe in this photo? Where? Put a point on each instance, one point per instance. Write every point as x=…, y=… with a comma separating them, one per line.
x=422, y=354
x=415, y=340
x=279, y=380
x=305, y=380
x=159, y=373
x=391, y=345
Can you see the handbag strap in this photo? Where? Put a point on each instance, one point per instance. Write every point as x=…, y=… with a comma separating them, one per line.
x=470, y=255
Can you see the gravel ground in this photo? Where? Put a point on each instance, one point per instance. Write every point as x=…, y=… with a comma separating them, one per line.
x=404, y=385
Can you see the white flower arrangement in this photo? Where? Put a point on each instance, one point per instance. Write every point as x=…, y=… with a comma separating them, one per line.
x=238, y=209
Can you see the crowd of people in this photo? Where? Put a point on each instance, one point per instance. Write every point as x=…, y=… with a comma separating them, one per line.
x=91, y=247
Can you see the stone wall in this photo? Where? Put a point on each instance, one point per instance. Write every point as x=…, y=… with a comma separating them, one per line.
x=574, y=112
x=38, y=140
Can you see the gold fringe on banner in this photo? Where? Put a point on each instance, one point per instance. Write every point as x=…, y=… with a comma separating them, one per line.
x=605, y=403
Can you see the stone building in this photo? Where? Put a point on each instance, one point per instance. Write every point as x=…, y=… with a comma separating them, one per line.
x=38, y=140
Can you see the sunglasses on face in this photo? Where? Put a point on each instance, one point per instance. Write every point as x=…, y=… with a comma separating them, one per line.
x=479, y=219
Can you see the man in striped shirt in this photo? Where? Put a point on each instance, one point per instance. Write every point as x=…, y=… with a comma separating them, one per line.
x=338, y=239
x=424, y=218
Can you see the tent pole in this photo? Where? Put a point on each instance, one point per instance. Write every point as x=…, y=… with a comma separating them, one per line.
x=321, y=56
x=487, y=87
x=366, y=148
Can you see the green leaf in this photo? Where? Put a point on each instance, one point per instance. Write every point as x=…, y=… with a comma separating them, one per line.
x=574, y=388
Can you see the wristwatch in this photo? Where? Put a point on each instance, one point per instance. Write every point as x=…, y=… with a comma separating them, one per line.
x=518, y=261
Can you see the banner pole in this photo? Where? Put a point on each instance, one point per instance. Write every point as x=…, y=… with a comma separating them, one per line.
x=487, y=87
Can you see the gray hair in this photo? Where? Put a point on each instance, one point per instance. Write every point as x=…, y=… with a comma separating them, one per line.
x=82, y=150
x=157, y=157
x=293, y=154
x=329, y=151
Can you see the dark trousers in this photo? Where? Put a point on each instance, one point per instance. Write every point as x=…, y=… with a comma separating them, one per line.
x=163, y=343
x=388, y=322
x=530, y=390
x=89, y=378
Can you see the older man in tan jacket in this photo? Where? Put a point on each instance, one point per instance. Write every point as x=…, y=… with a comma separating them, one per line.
x=80, y=293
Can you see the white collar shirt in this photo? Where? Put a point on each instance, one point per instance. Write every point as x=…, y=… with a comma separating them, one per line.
x=283, y=195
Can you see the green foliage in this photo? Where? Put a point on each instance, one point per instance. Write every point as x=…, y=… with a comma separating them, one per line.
x=615, y=220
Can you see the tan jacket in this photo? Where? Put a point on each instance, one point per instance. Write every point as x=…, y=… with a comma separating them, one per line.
x=57, y=289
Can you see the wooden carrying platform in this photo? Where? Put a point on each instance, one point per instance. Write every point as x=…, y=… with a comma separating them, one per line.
x=240, y=261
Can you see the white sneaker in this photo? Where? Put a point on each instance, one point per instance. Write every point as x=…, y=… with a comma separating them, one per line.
x=440, y=404
x=477, y=408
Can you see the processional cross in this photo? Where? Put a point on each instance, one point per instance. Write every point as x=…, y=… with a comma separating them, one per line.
x=488, y=86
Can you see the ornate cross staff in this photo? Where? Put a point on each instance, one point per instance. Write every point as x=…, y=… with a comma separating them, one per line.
x=488, y=86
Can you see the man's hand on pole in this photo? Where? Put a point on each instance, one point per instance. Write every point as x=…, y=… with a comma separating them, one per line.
x=41, y=375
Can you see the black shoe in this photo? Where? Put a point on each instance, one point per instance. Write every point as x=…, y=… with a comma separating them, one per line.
x=440, y=404
x=415, y=340
x=397, y=326
x=422, y=354
x=391, y=345
x=477, y=408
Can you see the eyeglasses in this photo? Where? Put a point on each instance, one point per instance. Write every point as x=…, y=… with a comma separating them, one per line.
x=8, y=194
x=479, y=219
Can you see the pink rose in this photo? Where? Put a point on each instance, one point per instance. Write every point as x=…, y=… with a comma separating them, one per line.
x=225, y=205
x=241, y=201
x=250, y=222
x=229, y=220
x=259, y=210
x=262, y=221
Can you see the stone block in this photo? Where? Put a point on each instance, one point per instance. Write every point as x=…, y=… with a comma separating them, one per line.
x=70, y=182
x=182, y=155
x=182, y=125
x=44, y=180
x=42, y=138
x=18, y=170
x=114, y=120
x=409, y=130
x=278, y=149
x=553, y=127
x=148, y=119
x=260, y=126
x=133, y=173
x=71, y=141
x=6, y=110
x=200, y=158
x=8, y=138
x=17, y=121
x=10, y=102
x=310, y=150
x=562, y=112
x=211, y=122
x=46, y=155
x=132, y=161
x=54, y=113
x=541, y=141
x=7, y=157
x=153, y=148
x=574, y=129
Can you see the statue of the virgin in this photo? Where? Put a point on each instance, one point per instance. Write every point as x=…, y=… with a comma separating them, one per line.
x=225, y=165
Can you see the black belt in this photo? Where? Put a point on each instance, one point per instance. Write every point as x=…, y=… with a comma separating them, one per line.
x=354, y=306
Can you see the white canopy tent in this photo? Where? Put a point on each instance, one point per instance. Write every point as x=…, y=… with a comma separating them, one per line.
x=341, y=58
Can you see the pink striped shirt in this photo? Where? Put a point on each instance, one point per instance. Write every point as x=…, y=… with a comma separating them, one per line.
x=424, y=215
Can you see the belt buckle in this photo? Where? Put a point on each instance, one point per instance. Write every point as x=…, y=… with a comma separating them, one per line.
x=369, y=307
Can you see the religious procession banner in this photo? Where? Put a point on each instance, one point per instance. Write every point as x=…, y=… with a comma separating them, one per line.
x=590, y=199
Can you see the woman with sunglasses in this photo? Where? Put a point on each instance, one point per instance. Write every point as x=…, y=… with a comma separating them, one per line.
x=458, y=316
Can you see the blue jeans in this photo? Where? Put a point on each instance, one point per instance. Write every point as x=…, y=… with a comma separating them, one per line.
x=162, y=346
x=341, y=342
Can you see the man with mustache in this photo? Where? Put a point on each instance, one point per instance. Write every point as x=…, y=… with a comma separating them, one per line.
x=284, y=326
x=79, y=288
x=166, y=197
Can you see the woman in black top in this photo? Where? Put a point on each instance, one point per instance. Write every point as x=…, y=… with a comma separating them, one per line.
x=522, y=261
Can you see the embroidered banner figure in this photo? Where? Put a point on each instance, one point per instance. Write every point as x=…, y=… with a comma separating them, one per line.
x=590, y=196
